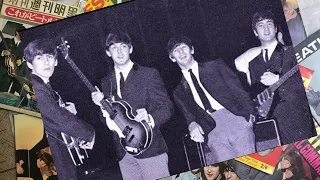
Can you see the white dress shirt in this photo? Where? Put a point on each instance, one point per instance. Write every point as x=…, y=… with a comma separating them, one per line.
x=125, y=73
x=242, y=61
x=270, y=48
x=16, y=42
x=195, y=69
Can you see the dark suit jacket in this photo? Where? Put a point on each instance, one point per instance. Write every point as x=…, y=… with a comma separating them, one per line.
x=143, y=89
x=5, y=79
x=291, y=110
x=223, y=85
x=57, y=120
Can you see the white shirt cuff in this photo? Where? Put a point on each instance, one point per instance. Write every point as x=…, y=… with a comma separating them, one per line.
x=151, y=121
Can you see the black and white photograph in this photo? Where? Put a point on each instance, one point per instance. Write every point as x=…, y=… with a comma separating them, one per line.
x=147, y=89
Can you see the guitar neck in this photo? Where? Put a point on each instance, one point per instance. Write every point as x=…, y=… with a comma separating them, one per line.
x=284, y=78
x=85, y=80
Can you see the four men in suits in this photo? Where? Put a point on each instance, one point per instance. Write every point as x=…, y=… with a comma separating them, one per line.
x=218, y=111
x=212, y=100
x=144, y=90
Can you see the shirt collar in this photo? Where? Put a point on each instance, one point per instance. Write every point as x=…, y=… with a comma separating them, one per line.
x=194, y=67
x=271, y=47
x=16, y=41
x=124, y=71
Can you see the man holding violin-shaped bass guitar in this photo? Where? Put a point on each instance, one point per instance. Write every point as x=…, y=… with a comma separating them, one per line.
x=143, y=89
x=14, y=75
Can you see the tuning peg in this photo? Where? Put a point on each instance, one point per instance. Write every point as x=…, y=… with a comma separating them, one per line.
x=65, y=41
x=68, y=46
x=58, y=47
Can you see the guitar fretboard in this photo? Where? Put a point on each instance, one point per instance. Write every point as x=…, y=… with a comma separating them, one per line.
x=283, y=79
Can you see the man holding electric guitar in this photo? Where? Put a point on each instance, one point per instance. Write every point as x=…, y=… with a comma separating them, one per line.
x=276, y=83
x=14, y=71
x=67, y=134
x=144, y=94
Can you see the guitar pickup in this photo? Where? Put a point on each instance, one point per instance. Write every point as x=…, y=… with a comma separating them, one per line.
x=131, y=149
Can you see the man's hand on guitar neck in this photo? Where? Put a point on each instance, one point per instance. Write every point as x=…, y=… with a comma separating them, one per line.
x=97, y=96
x=269, y=78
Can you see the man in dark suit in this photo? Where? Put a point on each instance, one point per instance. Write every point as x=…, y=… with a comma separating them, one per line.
x=290, y=106
x=217, y=109
x=15, y=49
x=57, y=116
x=144, y=90
x=20, y=82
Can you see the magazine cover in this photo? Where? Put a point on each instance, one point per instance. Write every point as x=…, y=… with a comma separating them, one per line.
x=294, y=21
x=310, y=15
x=264, y=161
x=33, y=155
x=218, y=171
x=91, y=5
x=298, y=160
x=123, y=87
x=313, y=94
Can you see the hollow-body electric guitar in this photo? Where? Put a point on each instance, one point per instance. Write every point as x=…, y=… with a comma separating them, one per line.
x=10, y=60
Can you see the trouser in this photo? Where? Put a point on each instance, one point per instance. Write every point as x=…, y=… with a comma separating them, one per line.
x=144, y=169
x=233, y=136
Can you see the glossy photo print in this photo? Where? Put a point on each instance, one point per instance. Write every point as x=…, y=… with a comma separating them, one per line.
x=155, y=85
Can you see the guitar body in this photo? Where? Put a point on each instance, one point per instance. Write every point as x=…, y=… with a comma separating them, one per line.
x=10, y=60
x=138, y=135
x=77, y=154
x=11, y=63
x=264, y=99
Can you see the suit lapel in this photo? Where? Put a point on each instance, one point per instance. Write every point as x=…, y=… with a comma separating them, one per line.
x=130, y=82
x=208, y=79
x=112, y=91
x=185, y=91
x=276, y=53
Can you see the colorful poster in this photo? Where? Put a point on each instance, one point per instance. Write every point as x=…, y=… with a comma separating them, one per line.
x=264, y=161
x=92, y=5
x=37, y=11
x=218, y=171
x=306, y=75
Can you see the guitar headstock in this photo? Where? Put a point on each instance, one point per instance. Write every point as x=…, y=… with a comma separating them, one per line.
x=64, y=47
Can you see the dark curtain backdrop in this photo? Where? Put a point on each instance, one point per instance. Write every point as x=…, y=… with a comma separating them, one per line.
x=218, y=28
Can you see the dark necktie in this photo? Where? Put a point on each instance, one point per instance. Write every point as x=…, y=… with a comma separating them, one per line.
x=266, y=57
x=200, y=91
x=121, y=82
